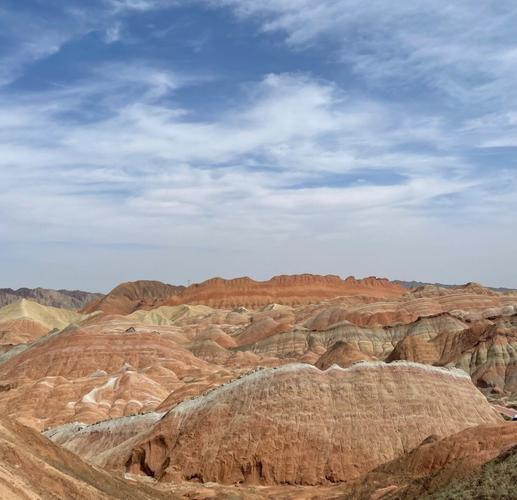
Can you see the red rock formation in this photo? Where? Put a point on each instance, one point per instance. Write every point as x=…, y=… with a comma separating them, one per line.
x=373, y=341
x=173, y=352
x=486, y=349
x=289, y=425
x=31, y=466
x=343, y=354
x=467, y=302
x=128, y=297
x=99, y=371
x=299, y=425
x=20, y=331
x=262, y=327
x=91, y=442
x=111, y=366
x=436, y=462
x=291, y=290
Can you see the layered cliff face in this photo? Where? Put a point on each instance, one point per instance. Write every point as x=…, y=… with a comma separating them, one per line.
x=299, y=425
x=463, y=302
x=64, y=299
x=486, y=349
x=129, y=297
x=288, y=290
x=373, y=341
x=342, y=354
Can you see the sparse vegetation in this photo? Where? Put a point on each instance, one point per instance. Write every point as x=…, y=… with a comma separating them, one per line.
x=497, y=479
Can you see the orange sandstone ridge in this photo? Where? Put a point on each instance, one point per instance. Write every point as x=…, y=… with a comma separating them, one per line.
x=436, y=461
x=298, y=425
x=343, y=354
x=31, y=466
x=221, y=293
x=129, y=297
x=284, y=289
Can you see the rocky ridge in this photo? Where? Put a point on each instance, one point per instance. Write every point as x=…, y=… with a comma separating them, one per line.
x=31, y=466
x=64, y=299
x=299, y=425
x=287, y=290
x=132, y=296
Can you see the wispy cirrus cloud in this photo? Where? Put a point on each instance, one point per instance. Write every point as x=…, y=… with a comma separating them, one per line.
x=137, y=5
x=33, y=34
x=259, y=159
x=113, y=33
x=467, y=51
x=26, y=39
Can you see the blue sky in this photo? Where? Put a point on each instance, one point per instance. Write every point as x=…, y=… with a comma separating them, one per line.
x=182, y=139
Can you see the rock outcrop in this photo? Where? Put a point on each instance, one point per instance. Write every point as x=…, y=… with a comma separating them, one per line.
x=31, y=466
x=374, y=341
x=469, y=303
x=289, y=290
x=97, y=442
x=343, y=354
x=97, y=371
x=486, y=349
x=129, y=297
x=436, y=462
x=299, y=425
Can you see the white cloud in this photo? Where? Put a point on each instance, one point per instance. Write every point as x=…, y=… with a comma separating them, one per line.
x=464, y=49
x=254, y=171
x=32, y=37
x=297, y=173
x=140, y=5
x=113, y=33
x=38, y=44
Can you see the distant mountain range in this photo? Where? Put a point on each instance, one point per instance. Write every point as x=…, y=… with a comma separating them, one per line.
x=140, y=292
x=66, y=299
x=416, y=284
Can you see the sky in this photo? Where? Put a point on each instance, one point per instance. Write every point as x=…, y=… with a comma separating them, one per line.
x=184, y=139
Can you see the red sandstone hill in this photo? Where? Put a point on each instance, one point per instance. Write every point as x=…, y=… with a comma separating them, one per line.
x=299, y=425
x=31, y=466
x=128, y=297
x=486, y=349
x=437, y=462
x=285, y=289
x=342, y=354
